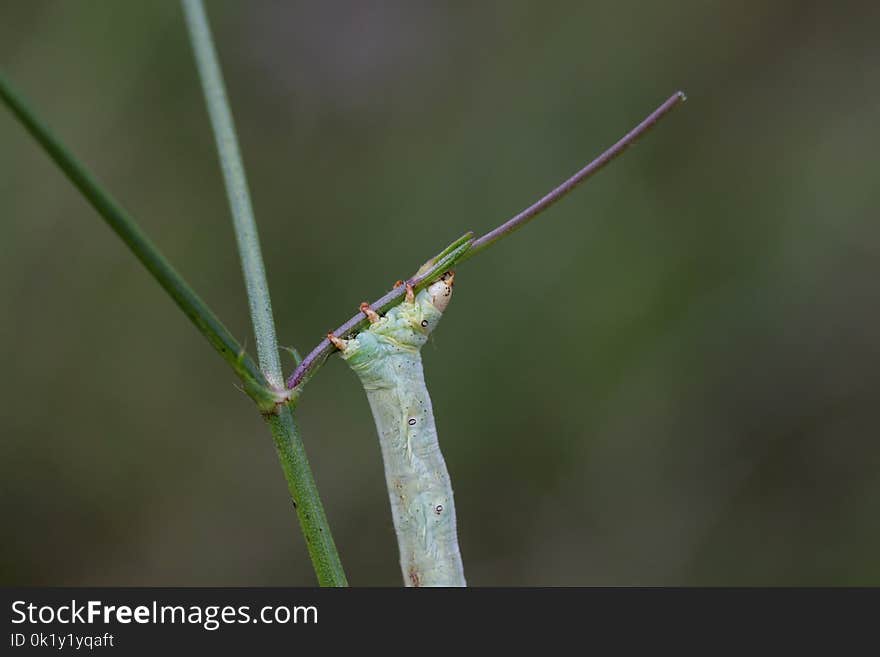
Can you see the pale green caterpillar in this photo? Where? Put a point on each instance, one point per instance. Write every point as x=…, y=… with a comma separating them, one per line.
x=388, y=361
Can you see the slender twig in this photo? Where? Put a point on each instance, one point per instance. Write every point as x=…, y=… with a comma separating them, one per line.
x=521, y=219
x=318, y=355
x=288, y=443
x=126, y=228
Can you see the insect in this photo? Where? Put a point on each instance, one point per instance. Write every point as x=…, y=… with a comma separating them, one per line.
x=387, y=359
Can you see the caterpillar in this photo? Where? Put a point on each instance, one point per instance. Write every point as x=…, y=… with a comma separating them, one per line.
x=387, y=359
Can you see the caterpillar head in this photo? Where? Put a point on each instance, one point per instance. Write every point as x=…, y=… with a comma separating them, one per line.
x=406, y=326
x=440, y=292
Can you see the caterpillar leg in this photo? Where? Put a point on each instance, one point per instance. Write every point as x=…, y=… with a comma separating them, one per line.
x=339, y=343
x=410, y=293
x=371, y=314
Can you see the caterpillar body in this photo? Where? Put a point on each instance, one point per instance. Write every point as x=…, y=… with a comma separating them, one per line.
x=387, y=359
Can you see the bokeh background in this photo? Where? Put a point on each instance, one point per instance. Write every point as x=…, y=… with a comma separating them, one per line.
x=672, y=377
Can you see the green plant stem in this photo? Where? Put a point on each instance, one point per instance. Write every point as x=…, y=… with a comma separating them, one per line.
x=236, y=189
x=288, y=443
x=304, y=492
x=127, y=229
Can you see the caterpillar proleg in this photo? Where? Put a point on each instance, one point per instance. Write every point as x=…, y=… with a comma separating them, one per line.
x=387, y=359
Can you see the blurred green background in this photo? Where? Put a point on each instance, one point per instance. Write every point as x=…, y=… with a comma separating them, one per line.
x=673, y=377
